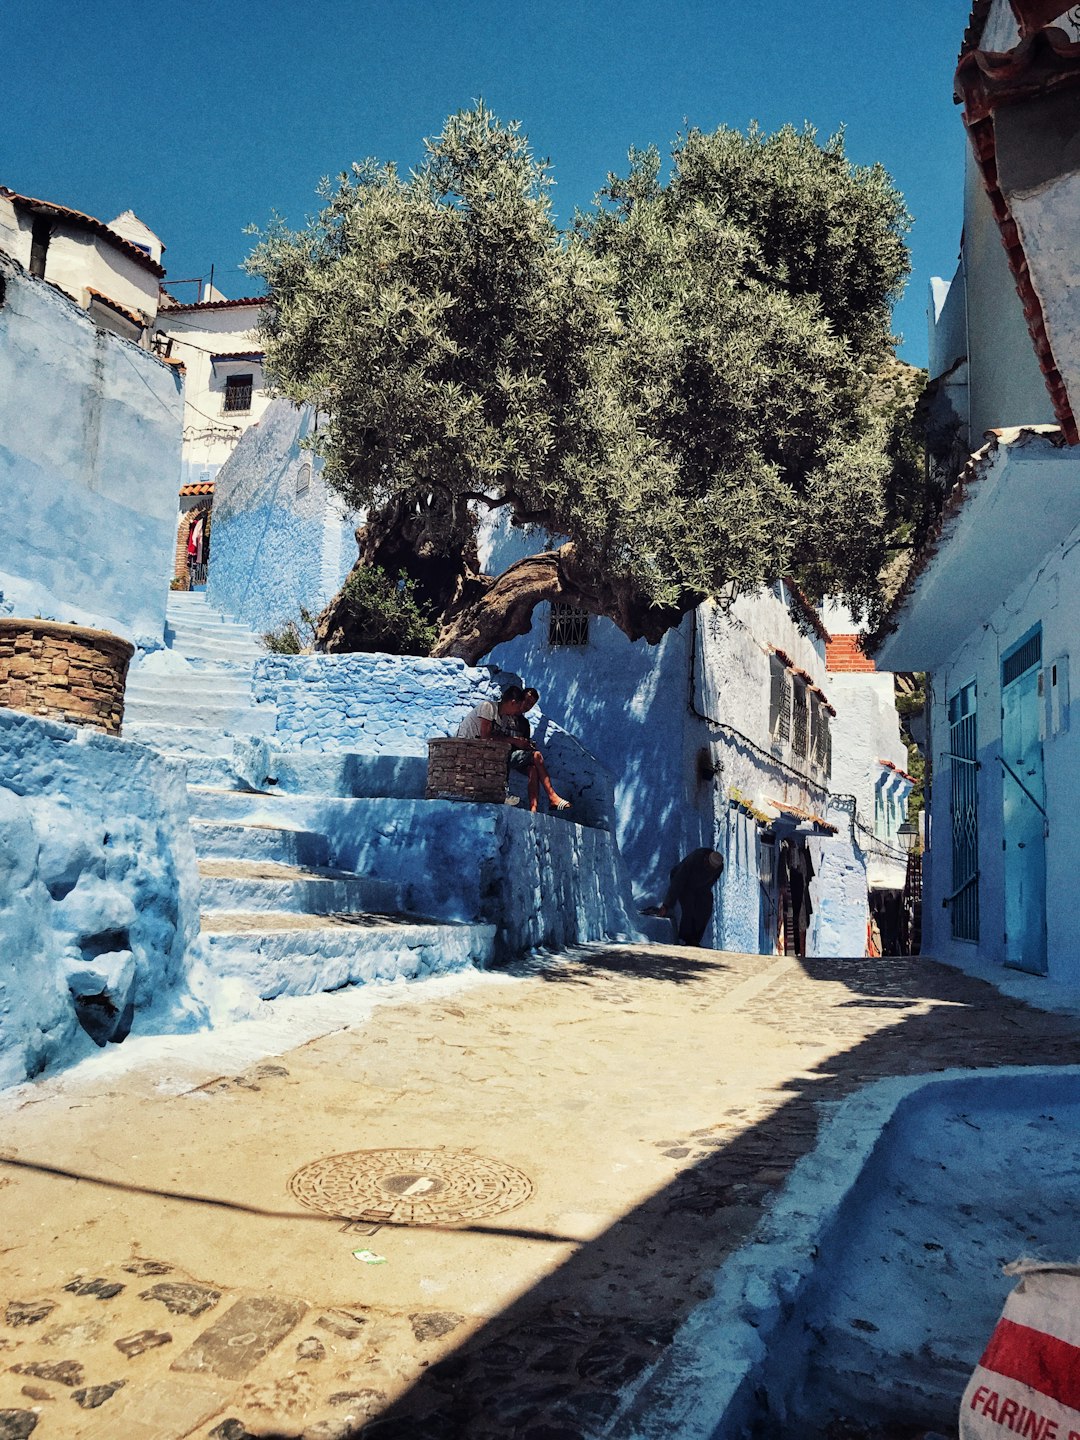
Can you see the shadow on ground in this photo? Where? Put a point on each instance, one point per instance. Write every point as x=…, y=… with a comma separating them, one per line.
x=550, y=1367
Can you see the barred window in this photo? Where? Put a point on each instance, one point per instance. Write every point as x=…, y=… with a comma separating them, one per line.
x=567, y=625
x=238, y=390
x=799, y=726
x=779, y=700
x=822, y=741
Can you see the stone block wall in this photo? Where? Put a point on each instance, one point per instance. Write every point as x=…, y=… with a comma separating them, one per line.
x=370, y=703
x=467, y=770
x=64, y=672
x=98, y=894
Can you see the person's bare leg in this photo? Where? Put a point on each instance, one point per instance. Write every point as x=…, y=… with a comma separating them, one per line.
x=539, y=768
x=534, y=789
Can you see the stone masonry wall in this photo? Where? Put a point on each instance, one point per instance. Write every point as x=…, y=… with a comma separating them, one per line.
x=371, y=703
x=98, y=894
x=64, y=672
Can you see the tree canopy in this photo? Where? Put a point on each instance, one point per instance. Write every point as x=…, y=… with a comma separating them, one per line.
x=677, y=392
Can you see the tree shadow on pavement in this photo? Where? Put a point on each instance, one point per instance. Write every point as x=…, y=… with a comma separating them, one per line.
x=551, y=1365
x=648, y=962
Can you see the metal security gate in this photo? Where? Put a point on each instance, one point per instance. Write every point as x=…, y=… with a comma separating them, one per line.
x=1023, y=799
x=963, y=755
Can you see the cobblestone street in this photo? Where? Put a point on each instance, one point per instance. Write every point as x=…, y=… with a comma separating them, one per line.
x=541, y=1169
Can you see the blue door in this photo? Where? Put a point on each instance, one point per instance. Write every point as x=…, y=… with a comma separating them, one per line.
x=1023, y=797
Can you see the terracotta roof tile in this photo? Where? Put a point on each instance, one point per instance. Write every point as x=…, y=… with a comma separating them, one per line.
x=888, y=764
x=801, y=814
x=807, y=608
x=198, y=487
x=107, y=300
x=219, y=304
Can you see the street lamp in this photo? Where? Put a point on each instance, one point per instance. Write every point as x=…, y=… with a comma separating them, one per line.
x=908, y=836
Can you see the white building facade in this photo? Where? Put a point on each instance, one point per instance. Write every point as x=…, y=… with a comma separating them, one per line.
x=990, y=606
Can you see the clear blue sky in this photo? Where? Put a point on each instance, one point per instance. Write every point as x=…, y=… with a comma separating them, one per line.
x=204, y=118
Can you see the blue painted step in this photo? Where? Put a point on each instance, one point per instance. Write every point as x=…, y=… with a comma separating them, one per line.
x=242, y=884
x=227, y=839
x=294, y=955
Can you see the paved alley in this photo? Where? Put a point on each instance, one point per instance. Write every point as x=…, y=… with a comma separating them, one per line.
x=541, y=1170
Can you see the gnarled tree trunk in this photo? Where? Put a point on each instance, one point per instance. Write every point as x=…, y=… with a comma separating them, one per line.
x=505, y=608
x=434, y=544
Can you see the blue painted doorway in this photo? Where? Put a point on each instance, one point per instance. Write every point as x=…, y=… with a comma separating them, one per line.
x=1023, y=796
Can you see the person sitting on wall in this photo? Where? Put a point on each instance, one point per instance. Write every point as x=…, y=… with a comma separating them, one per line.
x=690, y=887
x=529, y=761
x=491, y=720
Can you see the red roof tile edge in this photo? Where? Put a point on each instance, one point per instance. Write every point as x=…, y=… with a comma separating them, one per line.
x=1031, y=15
x=789, y=809
x=983, y=82
x=807, y=608
x=86, y=222
x=804, y=675
x=112, y=304
x=219, y=304
x=889, y=765
x=198, y=487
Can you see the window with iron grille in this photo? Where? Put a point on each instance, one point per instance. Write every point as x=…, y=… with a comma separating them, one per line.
x=821, y=739
x=779, y=700
x=567, y=625
x=799, y=726
x=1022, y=659
x=238, y=392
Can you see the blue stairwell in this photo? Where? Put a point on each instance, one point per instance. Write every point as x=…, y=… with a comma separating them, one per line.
x=275, y=913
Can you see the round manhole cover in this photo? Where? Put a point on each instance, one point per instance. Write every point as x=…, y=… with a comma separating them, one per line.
x=412, y=1187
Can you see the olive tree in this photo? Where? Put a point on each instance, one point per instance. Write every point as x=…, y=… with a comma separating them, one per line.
x=675, y=395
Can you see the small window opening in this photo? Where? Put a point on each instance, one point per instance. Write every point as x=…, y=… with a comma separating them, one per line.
x=799, y=721
x=567, y=625
x=238, y=390
x=39, y=245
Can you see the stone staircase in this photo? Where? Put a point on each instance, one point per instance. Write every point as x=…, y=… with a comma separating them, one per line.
x=273, y=912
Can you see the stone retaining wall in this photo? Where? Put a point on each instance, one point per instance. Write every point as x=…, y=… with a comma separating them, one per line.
x=64, y=672
x=466, y=770
x=370, y=703
x=99, y=894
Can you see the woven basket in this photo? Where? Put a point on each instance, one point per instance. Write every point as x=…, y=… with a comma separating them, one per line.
x=466, y=770
x=65, y=672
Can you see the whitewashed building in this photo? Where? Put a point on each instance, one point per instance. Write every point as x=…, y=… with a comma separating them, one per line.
x=112, y=270
x=990, y=606
x=217, y=342
x=89, y=457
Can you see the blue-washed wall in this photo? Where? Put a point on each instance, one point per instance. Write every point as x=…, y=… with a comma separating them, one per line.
x=89, y=466
x=641, y=709
x=272, y=549
x=98, y=893
x=626, y=703
x=370, y=702
x=542, y=880
x=873, y=1282
x=390, y=706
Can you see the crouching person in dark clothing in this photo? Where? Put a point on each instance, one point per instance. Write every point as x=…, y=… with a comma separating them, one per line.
x=691, y=889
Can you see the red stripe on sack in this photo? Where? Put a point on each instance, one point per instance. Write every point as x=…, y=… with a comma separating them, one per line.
x=1049, y=1365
